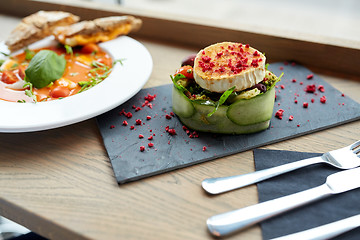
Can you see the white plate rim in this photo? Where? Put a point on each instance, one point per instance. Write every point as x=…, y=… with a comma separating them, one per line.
x=122, y=83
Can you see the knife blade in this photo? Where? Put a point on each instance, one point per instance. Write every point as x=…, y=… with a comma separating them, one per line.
x=230, y=222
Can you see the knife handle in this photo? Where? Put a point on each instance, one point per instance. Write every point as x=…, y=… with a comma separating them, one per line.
x=230, y=222
x=326, y=231
x=224, y=184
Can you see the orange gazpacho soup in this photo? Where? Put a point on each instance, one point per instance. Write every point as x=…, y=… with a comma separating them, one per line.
x=85, y=67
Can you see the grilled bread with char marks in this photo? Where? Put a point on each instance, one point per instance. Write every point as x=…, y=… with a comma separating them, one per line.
x=98, y=30
x=38, y=26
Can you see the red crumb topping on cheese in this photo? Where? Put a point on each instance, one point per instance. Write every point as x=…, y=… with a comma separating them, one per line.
x=229, y=60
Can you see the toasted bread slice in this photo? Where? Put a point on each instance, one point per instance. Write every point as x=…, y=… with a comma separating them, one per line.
x=98, y=30
x=38, y=26
x=223, y=65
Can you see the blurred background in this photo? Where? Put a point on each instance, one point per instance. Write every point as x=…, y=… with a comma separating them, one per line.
x=332, y=18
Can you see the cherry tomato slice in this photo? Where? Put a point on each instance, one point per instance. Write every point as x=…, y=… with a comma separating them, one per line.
x=9, y=77
x=60, y=92
x=187, y=71
x=90, y=48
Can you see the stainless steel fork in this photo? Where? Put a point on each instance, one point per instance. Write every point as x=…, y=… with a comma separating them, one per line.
x=343, y=158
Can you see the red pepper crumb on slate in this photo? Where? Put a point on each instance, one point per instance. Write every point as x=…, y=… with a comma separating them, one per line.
x=291, y=118
x=305, y=104
x=204, y=148
x=310, y=76
x=323, y=99
x=301, y=83
x=296, y=101
x=112, y=126
x=282, y=86
x=141, y=136
x=298, y=125
x=133, y=106
x=294, y=80
x=321, y=88
x=138, y=121
x=128, y=115
x=184, y=128
x=310, y=88
x=132, y=127
x=172, y=114
x=137, y=109
x=148, y=117
x=142, y=148
x=150, y=144
x=312, y=100
x=151, y=137
x=279, y=114
x=167, y=116
x=343, y=95
x=149, y=97
x=125, y=123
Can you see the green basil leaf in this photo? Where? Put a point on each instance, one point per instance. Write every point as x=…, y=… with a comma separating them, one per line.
x=44, y=68
x=222, y=100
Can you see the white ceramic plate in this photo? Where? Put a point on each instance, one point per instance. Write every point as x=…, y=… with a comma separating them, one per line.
x=122, y=84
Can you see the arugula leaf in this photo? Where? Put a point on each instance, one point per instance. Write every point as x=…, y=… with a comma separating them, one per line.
x=119, y=61
x=29, y=92
x=5, y=54
x=222, y=100
x=68, y=49
x=45, y=67
x=29, y=54
x=175, y=79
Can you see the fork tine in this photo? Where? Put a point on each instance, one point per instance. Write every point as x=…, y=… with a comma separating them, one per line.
x=355, y=145
x=357, y=151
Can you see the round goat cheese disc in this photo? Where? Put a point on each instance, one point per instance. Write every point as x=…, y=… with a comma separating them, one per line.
x=221, y=66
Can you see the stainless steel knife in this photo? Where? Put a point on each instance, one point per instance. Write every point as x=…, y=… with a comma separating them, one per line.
x=230, y=222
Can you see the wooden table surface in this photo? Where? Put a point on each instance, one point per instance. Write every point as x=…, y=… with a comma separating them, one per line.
x=60, y=184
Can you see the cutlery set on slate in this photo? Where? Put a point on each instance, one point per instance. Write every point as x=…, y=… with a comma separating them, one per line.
x=347, y=158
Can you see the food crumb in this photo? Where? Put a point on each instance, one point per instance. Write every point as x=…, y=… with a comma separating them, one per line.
x=150, y=144
x=305, y=104
x=138, y=121
x=142, y=148
x=279, y=114
x=148, y=117
x=204, y=148
x=291, y=118
x=310, y=76
x=112, y=126
x=125, y=123
x=323, y=99
x=321, y=88
x=294, y=80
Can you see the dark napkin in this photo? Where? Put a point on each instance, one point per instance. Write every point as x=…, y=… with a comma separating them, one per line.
x=171, y=152
x=318, y=213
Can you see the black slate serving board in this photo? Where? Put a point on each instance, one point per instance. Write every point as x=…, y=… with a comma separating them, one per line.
x=171, y=152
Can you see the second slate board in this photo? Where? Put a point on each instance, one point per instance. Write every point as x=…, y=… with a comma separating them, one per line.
x=147, y=120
